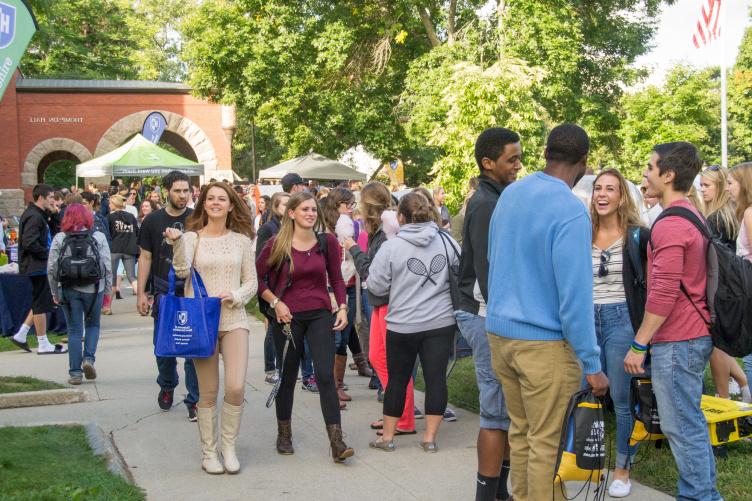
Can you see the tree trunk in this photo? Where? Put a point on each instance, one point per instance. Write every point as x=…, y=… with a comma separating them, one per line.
x=451, y=19
x=428, y=25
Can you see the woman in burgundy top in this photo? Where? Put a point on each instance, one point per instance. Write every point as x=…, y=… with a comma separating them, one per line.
x=292, y=275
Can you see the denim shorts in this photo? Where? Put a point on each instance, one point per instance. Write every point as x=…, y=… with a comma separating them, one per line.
x=493, y=409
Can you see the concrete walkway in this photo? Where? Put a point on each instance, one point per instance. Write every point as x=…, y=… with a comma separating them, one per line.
x=162, y=448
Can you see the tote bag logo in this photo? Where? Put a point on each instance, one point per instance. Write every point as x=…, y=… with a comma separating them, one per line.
x=7, y=24
x=182, y=317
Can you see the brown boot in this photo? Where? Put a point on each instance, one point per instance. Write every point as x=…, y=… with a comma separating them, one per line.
x=340, y=450
x=284, y=438
x=340, y=361
x=362, y=364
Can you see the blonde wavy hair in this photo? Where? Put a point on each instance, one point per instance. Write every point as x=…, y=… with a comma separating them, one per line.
x=742, y=173
x=627, y=213
x=721, y=203
x=375, y=198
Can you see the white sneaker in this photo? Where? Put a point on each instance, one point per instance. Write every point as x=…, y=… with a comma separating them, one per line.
x=620, y=489
x=734, y=389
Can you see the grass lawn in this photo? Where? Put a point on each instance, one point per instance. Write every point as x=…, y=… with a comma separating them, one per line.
x=253, y=308
x=6, y=345
x=56, y=462
x=16, y=384
x=654, y=467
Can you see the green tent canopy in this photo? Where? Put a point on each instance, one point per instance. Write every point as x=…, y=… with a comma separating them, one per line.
x=138, y=157
x=313, y=166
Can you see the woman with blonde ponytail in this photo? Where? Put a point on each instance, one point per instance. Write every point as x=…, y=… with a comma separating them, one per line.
x=719, y=212
x=293, y=269
x=375, y=201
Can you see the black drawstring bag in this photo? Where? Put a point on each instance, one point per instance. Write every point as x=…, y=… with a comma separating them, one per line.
x=644, y=408
x=582, y=448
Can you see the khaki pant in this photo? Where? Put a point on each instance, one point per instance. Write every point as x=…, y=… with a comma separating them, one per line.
x=538, y=379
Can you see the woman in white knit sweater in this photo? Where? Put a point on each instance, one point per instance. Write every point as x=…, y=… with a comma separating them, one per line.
x=218, y=244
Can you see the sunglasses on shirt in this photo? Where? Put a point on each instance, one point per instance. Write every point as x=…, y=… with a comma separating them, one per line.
x=603, y=268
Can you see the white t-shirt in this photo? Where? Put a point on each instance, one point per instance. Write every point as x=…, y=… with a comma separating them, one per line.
x=132, y=209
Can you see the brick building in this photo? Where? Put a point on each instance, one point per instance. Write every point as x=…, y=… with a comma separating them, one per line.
x=42, y=121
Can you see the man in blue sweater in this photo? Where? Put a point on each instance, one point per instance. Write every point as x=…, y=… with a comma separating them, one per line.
x=540, y=308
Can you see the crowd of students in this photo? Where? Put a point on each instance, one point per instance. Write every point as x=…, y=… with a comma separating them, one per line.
x=550, y=294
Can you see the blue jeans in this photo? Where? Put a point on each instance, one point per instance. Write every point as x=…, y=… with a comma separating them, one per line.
x=75, y=306
x=168, y=378
x=306, y=361
x=493, y=411
x=269, y=351
x=748, y=367
x=614, y=332
x=677, y=371
x=341, y=337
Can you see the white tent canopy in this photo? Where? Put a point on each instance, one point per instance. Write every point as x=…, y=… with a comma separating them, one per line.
x=313, y=166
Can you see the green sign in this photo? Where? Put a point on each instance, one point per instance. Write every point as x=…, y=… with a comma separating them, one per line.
x=17, y=26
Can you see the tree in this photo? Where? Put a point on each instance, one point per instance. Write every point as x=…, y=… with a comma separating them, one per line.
x=740, y=104
x=154, y=25
x=80, y=39
x=685, y=108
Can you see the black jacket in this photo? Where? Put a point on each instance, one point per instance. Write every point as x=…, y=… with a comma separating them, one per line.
x=363, y=263
x=634, y=272
x=265, y=232
x=474, y=260
x=33, y=241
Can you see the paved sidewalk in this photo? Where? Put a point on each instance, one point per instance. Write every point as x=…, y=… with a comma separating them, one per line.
x=162, y=448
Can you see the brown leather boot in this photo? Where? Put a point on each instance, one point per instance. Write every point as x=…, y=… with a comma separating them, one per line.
x=340, y=450
x=284, y=438
x=340, y=361
x=362, y=364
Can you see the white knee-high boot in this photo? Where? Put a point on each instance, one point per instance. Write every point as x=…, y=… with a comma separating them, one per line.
x=231, y=416
x=207, y=429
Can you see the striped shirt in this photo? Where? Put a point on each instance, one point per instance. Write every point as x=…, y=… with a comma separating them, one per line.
x=608, y=288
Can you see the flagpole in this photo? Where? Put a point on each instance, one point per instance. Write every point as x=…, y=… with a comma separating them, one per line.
x=724, y=122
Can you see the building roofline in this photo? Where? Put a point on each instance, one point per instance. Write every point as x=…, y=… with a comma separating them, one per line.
x=48, y=85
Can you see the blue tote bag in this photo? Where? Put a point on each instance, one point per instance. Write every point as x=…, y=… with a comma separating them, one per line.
x=187, y=327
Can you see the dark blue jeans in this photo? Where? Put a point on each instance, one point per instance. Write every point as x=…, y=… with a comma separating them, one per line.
x=342, y=337
x=75, y=306
x=270, y=356
x=168, y=378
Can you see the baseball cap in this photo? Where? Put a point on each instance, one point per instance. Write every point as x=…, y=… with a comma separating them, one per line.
x=291, y=179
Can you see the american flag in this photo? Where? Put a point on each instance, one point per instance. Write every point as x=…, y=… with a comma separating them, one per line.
x=708, y=23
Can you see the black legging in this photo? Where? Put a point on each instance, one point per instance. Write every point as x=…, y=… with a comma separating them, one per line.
x=434, y=348
x=316, y=326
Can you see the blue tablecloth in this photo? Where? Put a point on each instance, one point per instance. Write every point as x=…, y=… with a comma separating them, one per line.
x=15, y=303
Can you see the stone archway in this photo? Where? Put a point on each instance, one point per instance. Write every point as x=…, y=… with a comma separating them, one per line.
x=177, y=124
x=43, y=150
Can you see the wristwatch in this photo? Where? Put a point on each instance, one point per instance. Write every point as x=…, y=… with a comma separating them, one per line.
x=274, y=303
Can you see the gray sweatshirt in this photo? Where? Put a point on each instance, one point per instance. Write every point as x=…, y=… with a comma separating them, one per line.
x=105, y=284
x=412, y=270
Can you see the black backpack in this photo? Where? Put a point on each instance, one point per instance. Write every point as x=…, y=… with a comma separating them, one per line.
x=264, y=307
x=728, y=292
x=78, y=264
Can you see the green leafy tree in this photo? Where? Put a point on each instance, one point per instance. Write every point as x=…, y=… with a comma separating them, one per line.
x=685, y=108
x=154, y=25
x=740, y=104
x=80, y=39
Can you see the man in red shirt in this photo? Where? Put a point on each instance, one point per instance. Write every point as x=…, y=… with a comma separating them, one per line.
x=675, y=323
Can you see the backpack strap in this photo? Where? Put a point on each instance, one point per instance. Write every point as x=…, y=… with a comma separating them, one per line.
x=702, y=227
